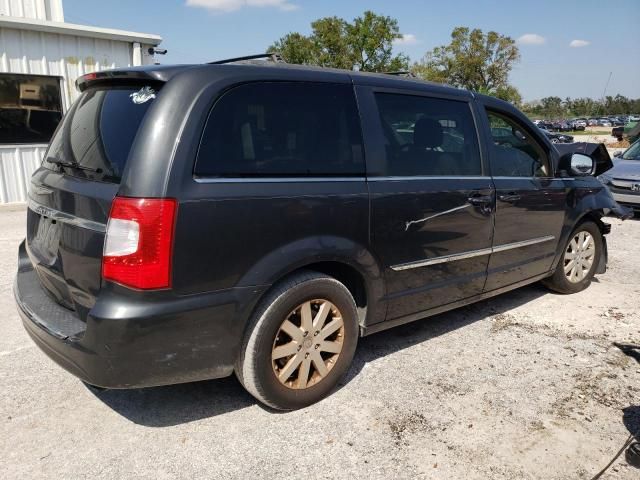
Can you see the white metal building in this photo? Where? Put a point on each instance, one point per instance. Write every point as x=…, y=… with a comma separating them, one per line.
x=40, y=58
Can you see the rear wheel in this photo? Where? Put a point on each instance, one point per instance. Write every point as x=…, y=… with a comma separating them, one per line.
x=300, y=342
x=579, y=260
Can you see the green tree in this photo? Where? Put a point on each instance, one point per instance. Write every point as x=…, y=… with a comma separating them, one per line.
x=365, y=44
x=295, y=48
x=553, y=107
x=473, y=60
x=508, y=93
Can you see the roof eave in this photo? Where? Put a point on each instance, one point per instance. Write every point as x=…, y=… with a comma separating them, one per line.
x=78, y=30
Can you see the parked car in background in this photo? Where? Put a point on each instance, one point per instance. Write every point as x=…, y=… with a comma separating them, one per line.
x=623, y=180
x=565, y=126
x=634, y=118
x=631, y=131
x=581, y=122
x=604, y=122
x=618, y=133
x=578, y=124
x=557, y=137
x=231, y=223
x=592, y=122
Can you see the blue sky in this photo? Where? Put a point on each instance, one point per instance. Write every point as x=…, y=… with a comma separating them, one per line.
x=608, y=33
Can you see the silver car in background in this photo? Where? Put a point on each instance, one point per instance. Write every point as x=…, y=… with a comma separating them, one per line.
x=623, y=180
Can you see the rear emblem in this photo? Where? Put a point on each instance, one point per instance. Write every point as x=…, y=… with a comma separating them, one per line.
x=635, y=187
x=44, y=211
x=143, y=95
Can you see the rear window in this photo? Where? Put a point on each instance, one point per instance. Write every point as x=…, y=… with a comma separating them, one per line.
x=98, y=132
x=277, y=129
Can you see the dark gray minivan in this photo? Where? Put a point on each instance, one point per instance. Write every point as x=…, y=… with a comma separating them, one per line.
x=189, y=222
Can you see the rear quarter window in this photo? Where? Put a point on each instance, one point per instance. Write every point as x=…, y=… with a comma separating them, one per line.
x=98, y=132
x=282, y=129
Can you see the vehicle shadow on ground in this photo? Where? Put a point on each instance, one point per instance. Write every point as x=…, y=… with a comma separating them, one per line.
x=178, y=404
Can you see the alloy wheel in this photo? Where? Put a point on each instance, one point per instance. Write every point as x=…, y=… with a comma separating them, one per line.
x=579, y=256
x=308, y=344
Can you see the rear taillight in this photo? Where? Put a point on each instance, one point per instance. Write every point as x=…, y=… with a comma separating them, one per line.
x=139, y=242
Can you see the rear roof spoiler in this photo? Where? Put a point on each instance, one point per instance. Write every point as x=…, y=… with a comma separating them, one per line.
x=150, y=73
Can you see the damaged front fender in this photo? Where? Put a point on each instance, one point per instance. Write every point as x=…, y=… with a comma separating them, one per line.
x=600, y=199
x=623, y=213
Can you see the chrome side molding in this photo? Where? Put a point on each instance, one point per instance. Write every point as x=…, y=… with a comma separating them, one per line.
x=471, y=254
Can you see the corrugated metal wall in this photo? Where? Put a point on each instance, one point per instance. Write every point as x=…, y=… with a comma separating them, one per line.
x=40, y=53
x=66, y=56
x=38, y=9
x=17, y=163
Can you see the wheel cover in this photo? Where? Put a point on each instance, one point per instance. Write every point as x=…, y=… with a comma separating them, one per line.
x=579, y=256
x=308, y=344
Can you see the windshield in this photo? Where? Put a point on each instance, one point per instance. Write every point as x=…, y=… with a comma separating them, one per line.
x=633, y=152
x=98, y=132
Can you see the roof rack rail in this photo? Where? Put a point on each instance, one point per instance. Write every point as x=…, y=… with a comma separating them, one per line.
x=273, y=56
x=402, y=73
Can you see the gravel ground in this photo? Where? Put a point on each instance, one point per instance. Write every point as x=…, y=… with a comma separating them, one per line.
x=526, y=385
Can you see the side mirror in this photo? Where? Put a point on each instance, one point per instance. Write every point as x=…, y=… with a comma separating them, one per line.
x=581, y=165
x=518, y=134
x=576, y=165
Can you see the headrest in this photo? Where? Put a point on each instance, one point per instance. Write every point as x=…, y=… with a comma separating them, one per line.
x=427, y=133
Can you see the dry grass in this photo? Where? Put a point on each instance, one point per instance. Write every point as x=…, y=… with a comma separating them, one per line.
x=621, y=144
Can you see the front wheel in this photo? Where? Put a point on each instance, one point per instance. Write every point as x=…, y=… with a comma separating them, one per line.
x=579, y=260
x=300, y=342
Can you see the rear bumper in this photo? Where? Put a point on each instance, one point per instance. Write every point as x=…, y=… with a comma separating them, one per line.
x=131, y=339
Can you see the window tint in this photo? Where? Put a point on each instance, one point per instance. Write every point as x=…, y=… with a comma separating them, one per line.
x=428, y=136
x=99, y=130
x=515, y=153
x=282, y=129
x=30, y=108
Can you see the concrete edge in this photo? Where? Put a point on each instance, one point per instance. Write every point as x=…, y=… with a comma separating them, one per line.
x=13, y=207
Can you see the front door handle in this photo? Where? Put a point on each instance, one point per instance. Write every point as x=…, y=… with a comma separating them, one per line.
x=480, y=200
x=510, y=197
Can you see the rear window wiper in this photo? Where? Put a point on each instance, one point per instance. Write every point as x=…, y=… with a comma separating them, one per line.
x=77, y=166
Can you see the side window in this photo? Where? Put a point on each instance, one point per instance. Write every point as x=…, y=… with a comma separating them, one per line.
x=428, y=136
x=282, y=129
x=515, y=153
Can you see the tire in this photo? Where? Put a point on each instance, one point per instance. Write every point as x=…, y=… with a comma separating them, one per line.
x=578, y=278
x=258, y=369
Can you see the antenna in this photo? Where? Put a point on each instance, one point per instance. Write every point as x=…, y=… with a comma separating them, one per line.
x=606, y=85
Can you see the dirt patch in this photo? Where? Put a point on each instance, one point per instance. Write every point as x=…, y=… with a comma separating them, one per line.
x=406, y=424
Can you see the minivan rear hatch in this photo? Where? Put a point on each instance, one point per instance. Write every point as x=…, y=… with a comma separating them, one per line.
x=71, y=194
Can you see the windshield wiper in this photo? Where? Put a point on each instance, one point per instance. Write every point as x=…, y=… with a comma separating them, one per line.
x=77, y=166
